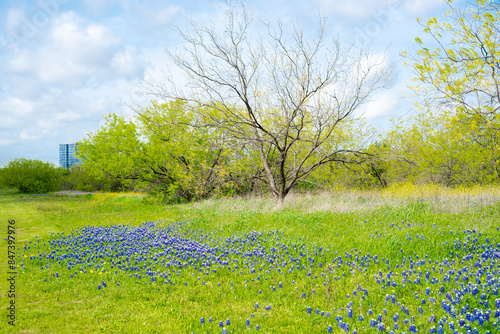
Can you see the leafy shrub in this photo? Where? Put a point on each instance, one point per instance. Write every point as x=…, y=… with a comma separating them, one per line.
x=79, y=178
x=31, y=176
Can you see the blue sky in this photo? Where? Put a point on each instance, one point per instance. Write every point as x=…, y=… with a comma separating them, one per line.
x=66, y=63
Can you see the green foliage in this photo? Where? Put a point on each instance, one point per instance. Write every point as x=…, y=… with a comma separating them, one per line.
x=437, y=148
x=109, y=152
x=457, y=72
x=78, y=178
x=31, y=176
x=163, y=152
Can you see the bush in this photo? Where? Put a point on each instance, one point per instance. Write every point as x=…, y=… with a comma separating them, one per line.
x=31, y=176
x=80, y=178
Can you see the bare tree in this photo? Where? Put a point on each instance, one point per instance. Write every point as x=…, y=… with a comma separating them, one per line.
x=291, y=98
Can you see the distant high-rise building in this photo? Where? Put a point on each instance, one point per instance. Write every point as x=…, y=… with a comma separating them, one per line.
x=66, y=155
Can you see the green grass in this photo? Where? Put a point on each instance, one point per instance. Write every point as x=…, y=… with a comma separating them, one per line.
x=368, y=222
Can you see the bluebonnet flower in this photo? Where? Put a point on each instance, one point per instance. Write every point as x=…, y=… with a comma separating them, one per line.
x=471, y=279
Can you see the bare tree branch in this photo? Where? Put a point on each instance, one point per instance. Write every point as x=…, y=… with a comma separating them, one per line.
x=284, y=96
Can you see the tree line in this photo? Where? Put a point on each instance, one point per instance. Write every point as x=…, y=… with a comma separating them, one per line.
x=280, y=113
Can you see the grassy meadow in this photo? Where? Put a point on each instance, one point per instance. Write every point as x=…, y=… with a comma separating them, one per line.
x=406, y=259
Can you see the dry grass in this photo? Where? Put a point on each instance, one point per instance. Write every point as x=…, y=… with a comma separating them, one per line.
x=448, y=200
x=438, y=199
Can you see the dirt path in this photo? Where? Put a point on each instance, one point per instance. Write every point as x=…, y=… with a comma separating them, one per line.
x=72, y=192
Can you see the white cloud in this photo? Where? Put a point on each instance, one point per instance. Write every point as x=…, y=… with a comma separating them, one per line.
x=17, y=106
x=159, y=16
x=8, y=142
x=33, y=133
x=67, y=117
x=15, y=20
x=73, y=51
x=420, y=7
x=22, y=63
x=382, y=104
x=128, y=63
x=369, y=9
x=8, y=122
x=361, y=9
x=99, y=7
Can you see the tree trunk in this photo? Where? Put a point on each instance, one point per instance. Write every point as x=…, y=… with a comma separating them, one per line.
x=281, y=195
x=280, y=200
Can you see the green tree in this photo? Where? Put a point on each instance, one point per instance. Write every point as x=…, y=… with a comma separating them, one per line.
x=458, y=73
x=111, y=151
x=31, y=176
x=162, y=151
x=184, y=160
x=79, y=178
x=436, y=147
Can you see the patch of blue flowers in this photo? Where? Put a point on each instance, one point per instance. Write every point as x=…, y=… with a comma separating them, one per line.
x=417, y=294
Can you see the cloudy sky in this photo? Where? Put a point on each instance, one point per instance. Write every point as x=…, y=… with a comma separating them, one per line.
x=66, y=63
